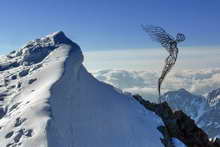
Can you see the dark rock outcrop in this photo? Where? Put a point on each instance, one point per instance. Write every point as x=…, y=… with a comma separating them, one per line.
x=23, y=73
x=6, y=66
x=178, y=125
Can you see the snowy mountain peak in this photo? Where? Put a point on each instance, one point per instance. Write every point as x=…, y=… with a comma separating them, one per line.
x=51, y=39
x=214, y=97
x=55, y=34
x=48, y=99
x=180, y=95
x=183, y=90
x=204, y=110
x=59, y=37
x=36, y=51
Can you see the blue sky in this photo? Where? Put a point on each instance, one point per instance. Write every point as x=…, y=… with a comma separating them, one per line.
x=108, y=24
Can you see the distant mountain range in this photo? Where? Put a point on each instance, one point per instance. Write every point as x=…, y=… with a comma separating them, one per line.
x=204, y=110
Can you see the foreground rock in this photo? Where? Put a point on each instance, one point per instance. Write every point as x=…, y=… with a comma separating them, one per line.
x=178, y=125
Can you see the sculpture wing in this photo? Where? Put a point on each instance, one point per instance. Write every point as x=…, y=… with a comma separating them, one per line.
x=158, y=34
x=180, y=37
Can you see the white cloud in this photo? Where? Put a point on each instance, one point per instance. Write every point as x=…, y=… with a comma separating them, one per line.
x=139, y=69
x=145, y=82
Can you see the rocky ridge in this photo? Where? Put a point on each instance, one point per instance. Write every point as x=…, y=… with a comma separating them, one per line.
x=178, y=125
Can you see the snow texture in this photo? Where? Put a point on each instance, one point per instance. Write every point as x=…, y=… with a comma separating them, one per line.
x=48, y=99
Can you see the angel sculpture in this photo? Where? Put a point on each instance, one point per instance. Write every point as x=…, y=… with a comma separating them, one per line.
x=158, y=34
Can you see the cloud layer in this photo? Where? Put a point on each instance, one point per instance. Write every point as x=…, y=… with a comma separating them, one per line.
x=145, y=82
x=195, y=58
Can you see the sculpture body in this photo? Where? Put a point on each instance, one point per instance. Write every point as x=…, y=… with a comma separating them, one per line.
x=170, y=44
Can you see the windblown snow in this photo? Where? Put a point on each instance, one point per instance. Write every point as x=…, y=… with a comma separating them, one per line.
x=49, y=99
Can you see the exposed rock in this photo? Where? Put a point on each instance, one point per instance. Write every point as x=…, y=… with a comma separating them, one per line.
x=2, y=96
x=8, y=135
x=6, y=82
x=178, y=125
x=14, y=77
x=11, y=87
x=19, y=135
x=32, y=81
x=167, y=140
x=36, y=67
x=19, y=121
x=14, y=107
x=19, y=85
x=6, y=66
x=23, y=72
x=216, y=141
x=28, y=133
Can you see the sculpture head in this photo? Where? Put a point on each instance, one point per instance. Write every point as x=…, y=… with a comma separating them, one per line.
x=173, y=44
x=180, y=37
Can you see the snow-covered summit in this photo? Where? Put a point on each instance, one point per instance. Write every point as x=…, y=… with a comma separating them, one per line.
x=214, y=97
x=48, y=99
x=184, y=100
x=35, y=51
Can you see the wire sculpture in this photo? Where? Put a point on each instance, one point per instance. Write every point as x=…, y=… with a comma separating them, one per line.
x=167, y=41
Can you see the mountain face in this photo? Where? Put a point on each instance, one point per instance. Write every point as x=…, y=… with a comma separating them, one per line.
x=204, y=110
x=48, y=99
x=214, y=97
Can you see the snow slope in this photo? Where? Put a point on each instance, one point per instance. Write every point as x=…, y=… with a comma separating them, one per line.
x=48, y=99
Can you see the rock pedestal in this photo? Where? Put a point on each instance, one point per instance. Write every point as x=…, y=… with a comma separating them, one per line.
x=178, y=125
